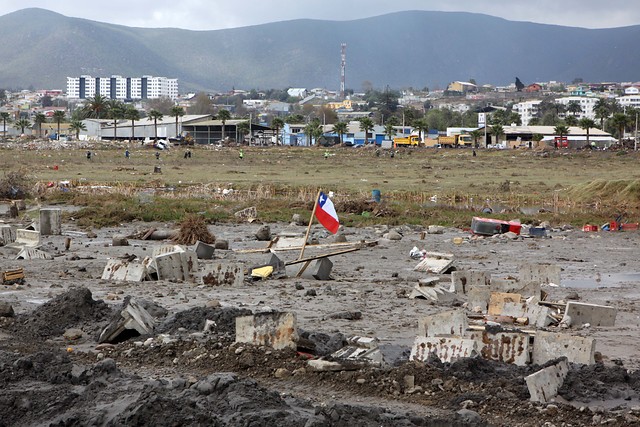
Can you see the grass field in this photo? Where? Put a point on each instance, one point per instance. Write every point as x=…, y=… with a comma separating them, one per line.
x=571, y=185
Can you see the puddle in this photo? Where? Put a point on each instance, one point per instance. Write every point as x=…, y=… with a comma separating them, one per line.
x=613, y=280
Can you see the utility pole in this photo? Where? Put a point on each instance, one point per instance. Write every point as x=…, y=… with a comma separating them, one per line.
x=343, y=66
x=635, y=140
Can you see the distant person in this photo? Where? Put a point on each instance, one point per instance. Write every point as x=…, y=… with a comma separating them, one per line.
x=88, y=154
x=241, y=154
x=392, y=154
x=126, y=154
x=530, y=145
x=157, y=155
x=186, y=154
x=326, y=154
x=474, y=153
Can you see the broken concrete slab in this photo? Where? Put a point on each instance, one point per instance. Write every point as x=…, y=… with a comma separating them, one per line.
x=33, y=253
x=204, y=250
x=435, y=229
x=497, y=300
x=320, y=270
x=133, y=317
x=538, y=315
x=447, y=349
x=502, y=346
x=223, y=274
x=321, y=365
x=596, y=315
x=478, y=298
x=515, y=286
x=463, y=280
x=549, y=345
x=279, y=268
x=432, y=292
x=176, y=265
x=7, y=234
x=288, y=243
x=120, y=270
x=544, y=384
x=166, y=249
x=50, y=221
x=435, y=262
x=540, y=273
x=447, y=323
x=28, y=238
x=273, y=329
x=247, y=214
x=361, y=350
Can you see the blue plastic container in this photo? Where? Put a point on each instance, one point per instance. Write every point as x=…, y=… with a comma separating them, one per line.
x=375, y=195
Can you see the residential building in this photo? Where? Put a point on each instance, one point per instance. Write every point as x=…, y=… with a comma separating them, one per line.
x=527, y=110
x=462, y=87
x=629, y=101
x=586, y=102
x=534, y=87
x=125, y=88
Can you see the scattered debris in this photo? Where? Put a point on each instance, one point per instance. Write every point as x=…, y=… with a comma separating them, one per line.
x=435, y=262
x=490, y=227
x=14, y=276
x=249, y=214
x=133, y=320
x=544, y=384
x=273, y=329
x=192, y=229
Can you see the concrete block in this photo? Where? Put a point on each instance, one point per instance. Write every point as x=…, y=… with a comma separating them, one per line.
x=361, y=350
x=166, y=249
x=447, y=349
x=432, y=293
x=497, y=301
x=273, y=329
x=479, y=297
x=506, y=347
x=463, y=280
x=321, y=365
x=447, y=323
x=538, y=315
x=319, y=270
x=176, y=265
x=50, y=221
x=223, y=274
x=33, y=253
x=515, y=286
x=435, y=262
x=204, y=250
x=549, y=345
x=24, y=237
x=120, y=270
x=7, y=234
x=132, y=317
x=596, y=315
x=544, y=384
x=279, y=268
x=540, y=273
x=288, y=243
x=248, y=214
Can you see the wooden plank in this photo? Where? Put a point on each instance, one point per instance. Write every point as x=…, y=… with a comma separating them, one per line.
x=269, y=248
x=311, y=258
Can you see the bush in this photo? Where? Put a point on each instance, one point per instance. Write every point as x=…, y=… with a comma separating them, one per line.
x=15, y=185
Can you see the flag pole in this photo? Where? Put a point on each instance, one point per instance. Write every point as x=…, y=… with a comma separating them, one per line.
x=306, y=236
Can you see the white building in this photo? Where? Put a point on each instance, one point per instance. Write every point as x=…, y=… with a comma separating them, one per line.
x=629, y=101
x=586, y=102
x=527, y=110
x=118, y=87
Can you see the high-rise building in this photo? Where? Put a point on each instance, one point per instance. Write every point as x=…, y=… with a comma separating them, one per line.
x=125, y=88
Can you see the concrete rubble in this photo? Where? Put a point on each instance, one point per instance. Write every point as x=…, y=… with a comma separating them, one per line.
x=273, y=329
x=133, y=318
x=435, y=262
x=544, y=384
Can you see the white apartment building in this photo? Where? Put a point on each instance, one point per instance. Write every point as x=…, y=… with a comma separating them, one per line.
x=629, y=101
x=118, y=87
x=527, y=110
x=586, y=102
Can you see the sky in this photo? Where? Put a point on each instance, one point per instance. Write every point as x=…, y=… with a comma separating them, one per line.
x=220, y=14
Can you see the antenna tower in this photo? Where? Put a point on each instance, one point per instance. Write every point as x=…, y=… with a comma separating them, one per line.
x=343, y=66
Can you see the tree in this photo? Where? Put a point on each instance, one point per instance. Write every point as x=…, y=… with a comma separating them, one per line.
x=476, y=135
x=132, y=113
x=177, y=112
x=115, y=111
x=243, y=128
x=313, y=130
x=162, y=104
x=561, y=130
x=574, y=108
x=155, y=115
x=6, y=117
x=294, y=118
x=223, y=116
x=366, y=126
x=38, y=120
x=390, y=130
x=58, y=117
x=22, y=124
x=602, y=110
x=421, y=126
x=76, y=126
x=497, y=130
x=587, y=124
x=571, y=121
x=537, y=137
x=340, y=128
x=519, y=85
x=201, y=105
x=277, y=123
x=96, y=107
x=620, y=121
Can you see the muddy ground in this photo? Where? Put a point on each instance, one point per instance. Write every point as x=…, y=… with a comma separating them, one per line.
x=182, y=376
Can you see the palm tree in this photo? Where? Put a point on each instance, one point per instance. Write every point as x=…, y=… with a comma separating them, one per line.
x=132, y=113
x=6, y=117
x=38, y=120
x=340, y=128
x=96, y=106
x=22, y=124
x=602, y=111
x=313, y=130
x=389, y=130
x=115, y=112
x=155, y=115
x=366, y=125
x=277, y=123
x=571, y=121
x=58, y=116
x=476, y=135
x=243, y=128
x=561, y=130
x=497, y=130
x=421, y=126
x=574, y=108
x=223, y=115
x=586, y=124
x=177, y=112
x=76, y=126
x=620, y=122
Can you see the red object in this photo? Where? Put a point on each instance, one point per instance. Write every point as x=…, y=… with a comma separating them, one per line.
x=589, y=227
x=326, y=214
x=490, y=226
x=55, y=167
x=614, y=226
x=629, y=226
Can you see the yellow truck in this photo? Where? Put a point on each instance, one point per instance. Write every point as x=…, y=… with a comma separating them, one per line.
x=411, y=140
x=455, y=140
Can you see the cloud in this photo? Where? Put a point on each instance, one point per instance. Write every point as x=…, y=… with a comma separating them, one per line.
x=217, y=14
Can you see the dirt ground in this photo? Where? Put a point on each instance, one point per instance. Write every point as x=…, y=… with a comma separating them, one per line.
x=182, y=376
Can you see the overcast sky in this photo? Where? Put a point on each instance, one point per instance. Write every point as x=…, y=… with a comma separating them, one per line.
x=217, y=14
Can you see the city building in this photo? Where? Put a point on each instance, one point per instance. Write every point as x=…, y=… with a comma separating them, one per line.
x=587, y=103
x=527, y=110
x=124, y=88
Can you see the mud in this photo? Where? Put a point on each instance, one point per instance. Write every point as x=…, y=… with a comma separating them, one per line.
x=184, y=375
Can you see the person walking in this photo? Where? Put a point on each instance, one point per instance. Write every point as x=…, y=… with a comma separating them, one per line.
x=126, y=154
x=241, y=154
x=88, y=154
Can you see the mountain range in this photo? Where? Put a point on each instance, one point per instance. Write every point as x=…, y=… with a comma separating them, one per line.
x=41, y=48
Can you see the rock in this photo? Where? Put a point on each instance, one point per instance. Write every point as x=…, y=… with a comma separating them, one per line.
x=264, y=233
x=393, y=235
x=6, y=310
x=361, y=381
x=435, y=229
x=204, y=387
x=572, y=296
x=297, y=219
x=72, y=334
x=213, y=303
x=222, y=244
x=282, y=373
x=510, y=235
x=552, y=409
x=119, y=241
x=299, y=286
x=469, y=416
x=339, y=238
x=239, y=350
x=311, y=293
x=347, y=315
x=545, y=225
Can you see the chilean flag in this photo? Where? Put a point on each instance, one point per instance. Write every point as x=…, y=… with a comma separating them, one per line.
x=326, y=214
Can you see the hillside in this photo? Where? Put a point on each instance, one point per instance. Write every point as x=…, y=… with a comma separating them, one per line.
x=42, y=48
